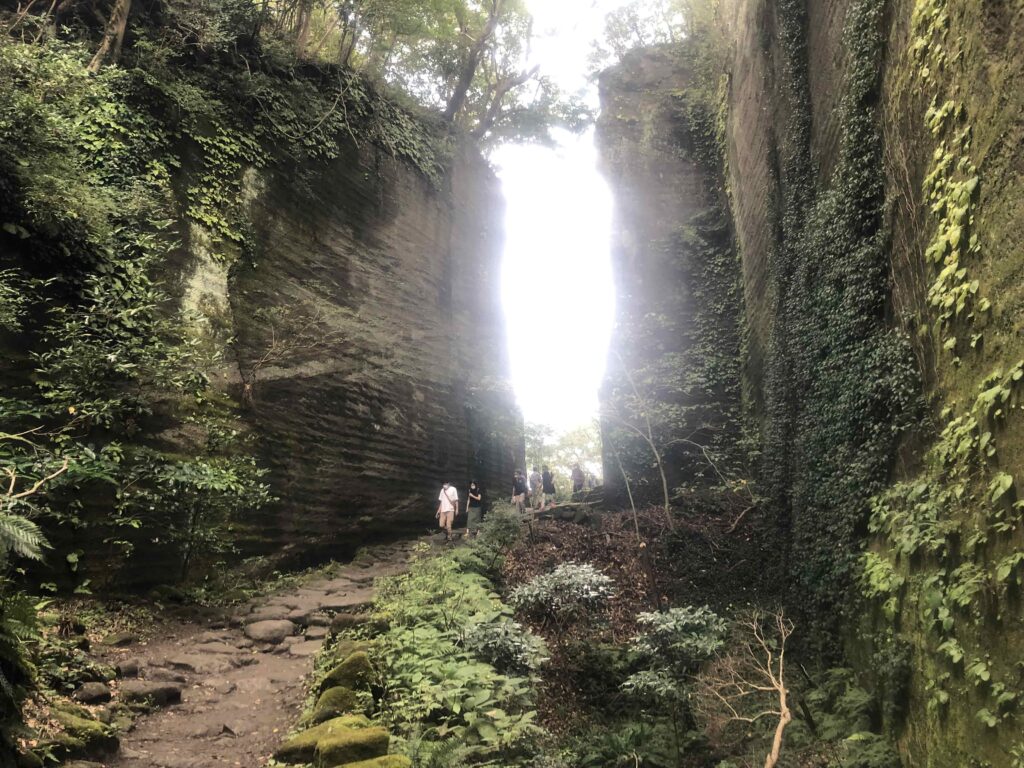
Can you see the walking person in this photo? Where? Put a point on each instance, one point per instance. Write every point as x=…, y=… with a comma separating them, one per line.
x=577, y=479
x=548, y=486
x=537, y=489
x=519, y=491
x=474, y=510
x=447, y=504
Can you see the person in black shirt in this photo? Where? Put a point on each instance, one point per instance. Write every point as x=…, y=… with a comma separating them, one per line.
x=519, y=491
x=548, y=482
x=474, y=509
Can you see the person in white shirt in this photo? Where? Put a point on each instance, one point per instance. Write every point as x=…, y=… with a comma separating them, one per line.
x=447, y=503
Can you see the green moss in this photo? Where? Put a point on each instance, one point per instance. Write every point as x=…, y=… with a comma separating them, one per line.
x=82, y=734
x=334, y=702
x=355, y=673
x=341, y=747
x=386, y=761
x=301, y=748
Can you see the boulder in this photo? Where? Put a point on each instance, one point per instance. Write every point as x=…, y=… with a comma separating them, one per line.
x=308, y=648
x=161, y=675
x=354, y=745
x=92, y=693
x=273, y=631
x=343, y=621
x=348, y=601
x=316, y=633
x=145, y=692
x=119, y=639
x=385, y=761
x=28, y=760
x=302, y=747
x=333, y=703
x=128, y=667
x=355, y=672
x=82, y=734
x=165, y=593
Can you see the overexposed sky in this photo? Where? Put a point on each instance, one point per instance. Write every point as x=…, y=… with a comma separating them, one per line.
x=557, y=284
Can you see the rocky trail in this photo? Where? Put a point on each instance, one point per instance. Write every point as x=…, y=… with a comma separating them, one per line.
x=225, y=690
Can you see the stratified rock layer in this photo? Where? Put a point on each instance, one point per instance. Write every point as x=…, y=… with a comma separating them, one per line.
x=384, y=294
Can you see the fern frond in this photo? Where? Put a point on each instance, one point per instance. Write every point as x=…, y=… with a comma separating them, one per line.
x=21, y=536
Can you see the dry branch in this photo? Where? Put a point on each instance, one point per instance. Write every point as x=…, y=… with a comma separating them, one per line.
x=747, y=684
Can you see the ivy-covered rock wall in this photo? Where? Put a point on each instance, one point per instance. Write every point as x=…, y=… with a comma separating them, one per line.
x=875, y=174
x=244, y=307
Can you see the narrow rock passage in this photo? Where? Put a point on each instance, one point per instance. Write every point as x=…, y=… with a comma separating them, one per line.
x=240, y=678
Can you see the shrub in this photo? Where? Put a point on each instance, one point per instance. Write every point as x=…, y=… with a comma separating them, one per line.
x=571, y=592
x=430, y=674
x=507, y=645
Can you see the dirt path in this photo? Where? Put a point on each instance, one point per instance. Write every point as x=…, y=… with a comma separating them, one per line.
x=240, y=679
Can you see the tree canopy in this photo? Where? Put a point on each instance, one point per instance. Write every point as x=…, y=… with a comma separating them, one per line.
x=469, y=59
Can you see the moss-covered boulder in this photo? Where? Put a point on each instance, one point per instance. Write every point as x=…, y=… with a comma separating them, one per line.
x=82, y=734
x=334, y=702
x=28, y=760
x=387, y=761
x=355, y=672
x=350, y=746
x=302, y=747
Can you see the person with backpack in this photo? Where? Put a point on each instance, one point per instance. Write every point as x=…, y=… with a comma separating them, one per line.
x=548, y=484
x=536, y=489
x=447, y=504
x=519, y=491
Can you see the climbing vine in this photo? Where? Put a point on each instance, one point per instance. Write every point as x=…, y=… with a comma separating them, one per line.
x=945, y=568
x=842, y=386
x=950, y=188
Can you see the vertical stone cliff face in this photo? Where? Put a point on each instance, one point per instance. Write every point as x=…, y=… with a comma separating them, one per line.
x=673, y=262
x=873, y=162
x=374, y=299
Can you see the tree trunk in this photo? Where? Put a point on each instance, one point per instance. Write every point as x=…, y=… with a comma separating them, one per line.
x=302, y=27
x=497, y=101
x=113, y=36
x=462, y=85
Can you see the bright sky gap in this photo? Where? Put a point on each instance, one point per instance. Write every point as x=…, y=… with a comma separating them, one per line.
x=557, y=286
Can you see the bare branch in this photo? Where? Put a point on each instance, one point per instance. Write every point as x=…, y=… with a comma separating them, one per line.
x=747, y=683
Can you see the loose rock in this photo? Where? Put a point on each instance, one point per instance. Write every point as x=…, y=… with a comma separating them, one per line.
x=143, y=692
x=270, y=631
x=119, y=639
x=92, y=693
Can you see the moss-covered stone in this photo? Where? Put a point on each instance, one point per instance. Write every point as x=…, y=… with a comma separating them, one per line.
x=28, y=760
x=82, y=734
x=334, y=702
x=301, y=748
x=386, y=761
x=355, y=672
x=350, y=745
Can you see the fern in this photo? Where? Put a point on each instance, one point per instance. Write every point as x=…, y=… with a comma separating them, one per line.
x=446, y=754
x=21, y=536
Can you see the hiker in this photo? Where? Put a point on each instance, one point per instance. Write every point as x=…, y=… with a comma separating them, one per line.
x=474, y=509
x=536, y=488
x=548, y=484
x=577, y=479
x=519, y=491
x=447, y=504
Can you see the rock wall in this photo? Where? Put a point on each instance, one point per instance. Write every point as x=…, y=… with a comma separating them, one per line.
x=673, y=258
x=375, y=299
x=932, y=619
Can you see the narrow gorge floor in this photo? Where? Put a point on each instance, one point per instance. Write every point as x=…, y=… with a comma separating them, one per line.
x=239, y=677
